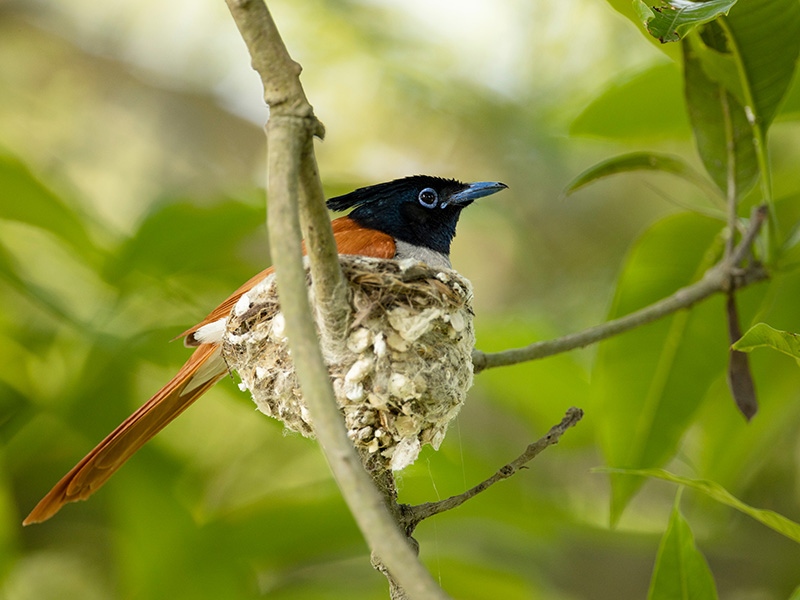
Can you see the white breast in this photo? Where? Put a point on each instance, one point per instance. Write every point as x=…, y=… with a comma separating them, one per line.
x=430, y=257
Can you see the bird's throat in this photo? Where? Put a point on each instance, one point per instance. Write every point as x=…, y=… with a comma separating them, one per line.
x=435, y=259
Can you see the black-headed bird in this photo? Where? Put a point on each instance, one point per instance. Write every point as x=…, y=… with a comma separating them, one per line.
x=414, y=217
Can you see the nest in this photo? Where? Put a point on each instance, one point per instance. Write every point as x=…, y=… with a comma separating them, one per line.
x=403, y=373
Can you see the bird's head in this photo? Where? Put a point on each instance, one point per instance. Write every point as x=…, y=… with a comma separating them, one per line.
x=420, y=210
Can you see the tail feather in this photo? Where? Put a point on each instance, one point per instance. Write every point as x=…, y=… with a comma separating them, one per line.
x=203, y=369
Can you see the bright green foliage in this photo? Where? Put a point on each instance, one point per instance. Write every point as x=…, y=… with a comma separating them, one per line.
x=681, y=571
x=647, y=105
x=737, y=71
x=644, y=161
x=103, y=260
x=26, y=200
x=762, y=335
x=738, y=62
x=718, y=493
x=671, y=20
x=764, y=39
x=723, y=133
x=648, y=383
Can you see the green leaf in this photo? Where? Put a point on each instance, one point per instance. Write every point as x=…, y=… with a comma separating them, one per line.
x=719, y=63
x=762, y=335
x=26, y=200
x=765, y=35
x=737, y=71
x=715, y=491
x=173, y=241
x=628, y=9
x=790, y=108
x=671, y=20
x=786, y=215
x=39, y=296
x=681, y=571
x=648, y=383
x=640, y=106
x=638, y=161
x=795, y=594
x=725, y=138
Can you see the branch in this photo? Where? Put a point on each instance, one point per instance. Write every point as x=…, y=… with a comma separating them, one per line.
x=289, y=107
x=330, y=290
x=414, y=514
x=280, y=75
x=717, y=279
x=290, y=132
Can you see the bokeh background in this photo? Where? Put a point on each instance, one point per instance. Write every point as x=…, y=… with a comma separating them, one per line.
x=131, y=183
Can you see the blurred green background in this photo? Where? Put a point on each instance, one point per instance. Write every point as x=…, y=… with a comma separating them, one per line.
x=131, y=185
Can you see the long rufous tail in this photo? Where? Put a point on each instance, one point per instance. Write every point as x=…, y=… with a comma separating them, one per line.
x=203, y=369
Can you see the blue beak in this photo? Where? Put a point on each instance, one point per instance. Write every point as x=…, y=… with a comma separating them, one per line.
x=474, y=191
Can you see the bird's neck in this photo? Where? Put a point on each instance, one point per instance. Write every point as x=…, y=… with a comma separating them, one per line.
x=412, y=224
x=437, y=260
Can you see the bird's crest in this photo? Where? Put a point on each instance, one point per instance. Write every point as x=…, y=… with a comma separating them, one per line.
x=374, y=193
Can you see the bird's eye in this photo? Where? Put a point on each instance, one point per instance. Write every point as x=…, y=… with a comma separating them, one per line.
x=428, y=197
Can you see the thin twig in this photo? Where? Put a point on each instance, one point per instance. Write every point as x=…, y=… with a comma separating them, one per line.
x=717, y=279
x=414, y=514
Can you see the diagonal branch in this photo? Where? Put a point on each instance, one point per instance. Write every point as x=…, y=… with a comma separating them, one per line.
x=293, y=182
x=717, y=279
x=289, y=108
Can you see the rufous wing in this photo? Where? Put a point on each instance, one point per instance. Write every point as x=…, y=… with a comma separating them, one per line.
x=350, y=238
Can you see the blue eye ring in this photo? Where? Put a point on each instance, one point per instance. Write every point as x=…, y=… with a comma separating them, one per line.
x=428, y=198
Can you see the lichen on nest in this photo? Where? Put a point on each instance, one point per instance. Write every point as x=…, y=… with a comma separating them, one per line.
x=402, y=374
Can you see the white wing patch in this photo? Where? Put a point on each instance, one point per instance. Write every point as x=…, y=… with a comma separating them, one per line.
x=211, y=369
x=211, y=333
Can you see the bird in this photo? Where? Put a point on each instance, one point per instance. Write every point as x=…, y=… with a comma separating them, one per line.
x=413, y=217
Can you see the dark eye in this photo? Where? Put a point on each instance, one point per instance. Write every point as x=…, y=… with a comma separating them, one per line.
x=428, y=197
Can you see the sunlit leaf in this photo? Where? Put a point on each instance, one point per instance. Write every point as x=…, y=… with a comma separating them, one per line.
x=723, y=133
x=37, y=294
x=766, y=36
x=737, y=71
x=176, y=238
x=720, y=64
x=640, y=161
x=786, y=211
x=681, y=571
x=25, y=199
x=762, y=335
x=790, y=107
x=715, y=491
x=671, y=20
x=649, y=382
x=643, y=106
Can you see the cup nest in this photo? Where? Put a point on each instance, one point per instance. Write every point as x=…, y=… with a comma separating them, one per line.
x=402, y=374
